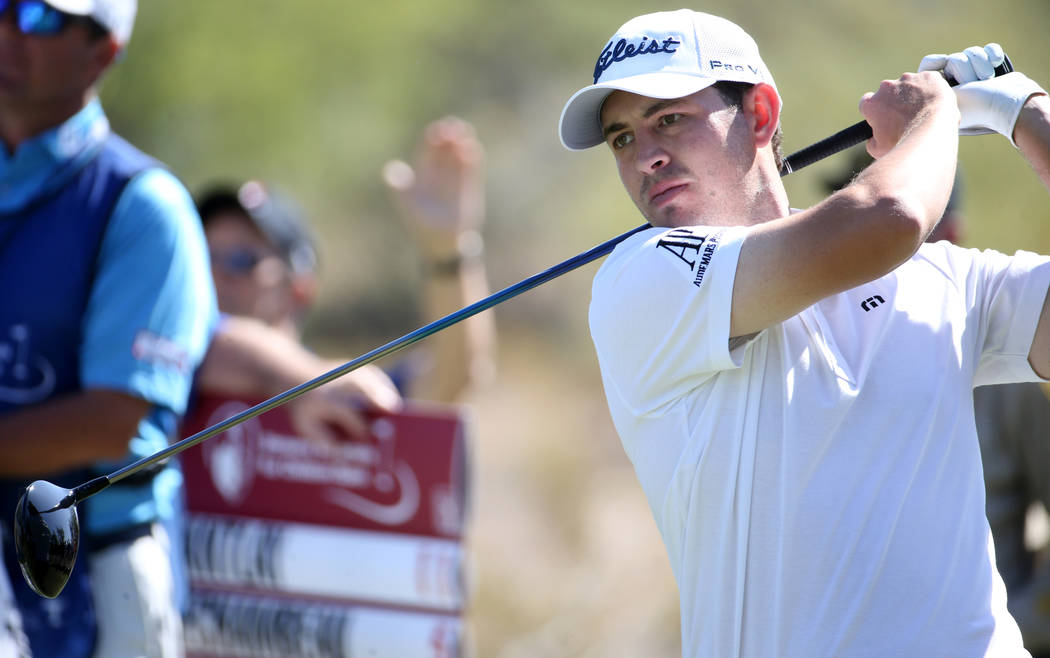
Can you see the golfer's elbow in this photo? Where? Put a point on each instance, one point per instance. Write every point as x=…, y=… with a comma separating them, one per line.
x=891, y=226
x=905, y=221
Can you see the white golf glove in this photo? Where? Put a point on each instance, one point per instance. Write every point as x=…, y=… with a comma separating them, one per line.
x=987, y=103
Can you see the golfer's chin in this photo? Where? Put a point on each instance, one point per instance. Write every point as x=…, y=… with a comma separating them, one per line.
x=670, y=215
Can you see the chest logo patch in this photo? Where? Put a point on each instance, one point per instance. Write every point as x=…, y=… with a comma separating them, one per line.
x=872, y=302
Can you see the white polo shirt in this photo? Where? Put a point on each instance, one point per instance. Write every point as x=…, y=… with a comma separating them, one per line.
x=819, y=487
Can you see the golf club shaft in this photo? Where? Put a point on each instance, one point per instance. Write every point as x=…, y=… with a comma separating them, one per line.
x=829, y=146
x=96, y=485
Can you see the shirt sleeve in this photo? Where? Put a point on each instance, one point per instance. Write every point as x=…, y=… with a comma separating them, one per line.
x=660, y=313
x=152, y=308
x=1008, y=294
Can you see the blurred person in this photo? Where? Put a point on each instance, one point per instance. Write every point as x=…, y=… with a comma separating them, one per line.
x=794, y=388
x=263, y=258
x=96, y=355
x=99, y=351
x=1013, y=424
x=440, y=198
x=107, y=310
x=265, y=267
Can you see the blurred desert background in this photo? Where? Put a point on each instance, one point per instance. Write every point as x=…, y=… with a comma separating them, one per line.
x=317, y=95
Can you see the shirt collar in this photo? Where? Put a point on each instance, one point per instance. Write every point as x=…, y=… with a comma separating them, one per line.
x=46, y=161
x=85, y=130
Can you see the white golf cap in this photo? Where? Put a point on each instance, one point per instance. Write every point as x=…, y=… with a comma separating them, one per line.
x=117, y=16
x=667, y=54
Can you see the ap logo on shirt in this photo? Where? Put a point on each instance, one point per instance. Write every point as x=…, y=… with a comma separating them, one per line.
x=692, y=249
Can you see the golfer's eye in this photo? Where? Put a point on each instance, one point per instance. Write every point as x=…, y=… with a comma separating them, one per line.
x=668, y=119
x=621, y=140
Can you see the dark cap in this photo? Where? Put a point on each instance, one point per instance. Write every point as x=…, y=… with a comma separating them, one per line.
x=274, y=214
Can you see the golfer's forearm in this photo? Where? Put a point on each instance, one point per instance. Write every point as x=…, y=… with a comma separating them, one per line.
x=68, y=432
x=916, y=176
x=1032, y=134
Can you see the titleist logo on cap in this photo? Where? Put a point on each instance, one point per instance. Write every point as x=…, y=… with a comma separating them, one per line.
x=617, y=51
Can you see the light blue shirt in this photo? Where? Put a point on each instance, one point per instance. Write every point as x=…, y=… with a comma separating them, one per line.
x=151, y=309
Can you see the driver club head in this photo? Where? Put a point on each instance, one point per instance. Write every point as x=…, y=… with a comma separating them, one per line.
x=47, y=534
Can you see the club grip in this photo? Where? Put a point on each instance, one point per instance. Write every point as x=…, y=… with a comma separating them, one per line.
x=840, y=141
x=853, y=135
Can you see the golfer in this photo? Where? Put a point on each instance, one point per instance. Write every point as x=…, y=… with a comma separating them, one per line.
x=794, y=388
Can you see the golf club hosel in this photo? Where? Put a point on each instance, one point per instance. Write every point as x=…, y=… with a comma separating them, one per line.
x=86, y=490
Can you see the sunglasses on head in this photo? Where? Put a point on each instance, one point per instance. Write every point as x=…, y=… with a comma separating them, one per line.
x=37, y=18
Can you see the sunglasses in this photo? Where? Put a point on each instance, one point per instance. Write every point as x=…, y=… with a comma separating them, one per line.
x=37, y=18
x=239, y=261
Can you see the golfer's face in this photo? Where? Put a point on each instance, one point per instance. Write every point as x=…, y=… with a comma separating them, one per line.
x=672, y=155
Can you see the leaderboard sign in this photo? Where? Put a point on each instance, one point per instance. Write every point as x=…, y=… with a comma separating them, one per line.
x=297, y=549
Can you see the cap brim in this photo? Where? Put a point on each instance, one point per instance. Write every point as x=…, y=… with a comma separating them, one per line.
x=75, y=7
x=580, y=126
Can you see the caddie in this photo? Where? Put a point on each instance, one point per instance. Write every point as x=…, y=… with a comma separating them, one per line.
x=107, y=310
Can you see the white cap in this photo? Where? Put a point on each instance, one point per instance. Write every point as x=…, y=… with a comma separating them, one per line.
x=669, y=54
x=117, y=16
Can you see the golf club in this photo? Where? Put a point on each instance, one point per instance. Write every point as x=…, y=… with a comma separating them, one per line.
x=46, y=525
x=855, y=134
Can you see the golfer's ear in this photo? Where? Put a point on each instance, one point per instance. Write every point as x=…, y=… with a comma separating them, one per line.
x=762, y=104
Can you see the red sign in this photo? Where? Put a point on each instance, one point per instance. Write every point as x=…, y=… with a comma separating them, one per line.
x=410, y=476
x=300, y=549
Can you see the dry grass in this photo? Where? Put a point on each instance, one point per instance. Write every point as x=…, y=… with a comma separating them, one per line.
x=566, y=558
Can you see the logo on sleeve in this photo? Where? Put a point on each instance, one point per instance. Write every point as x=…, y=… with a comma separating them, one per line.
x=156, y=349
x=692, y=249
